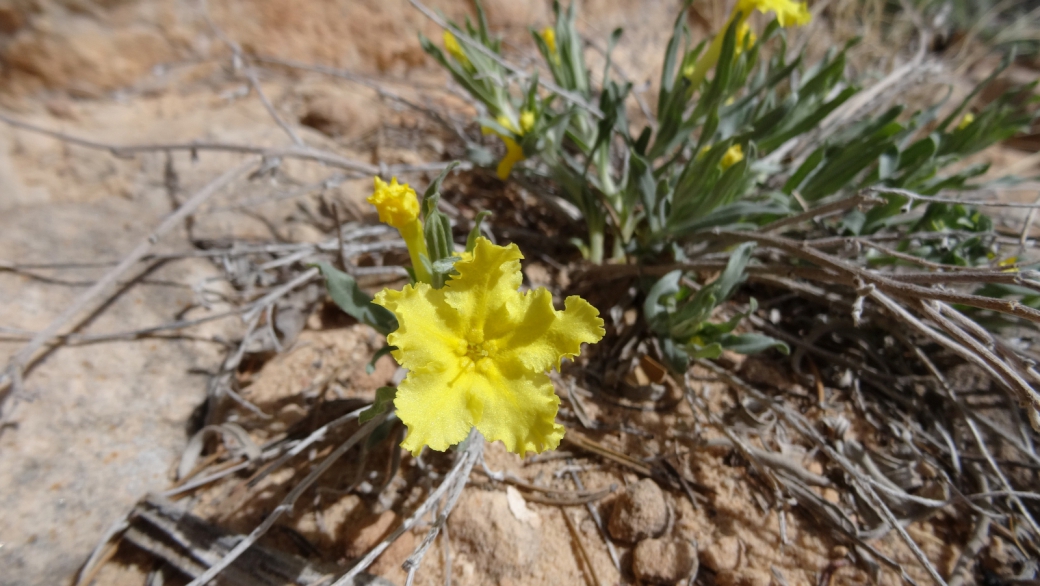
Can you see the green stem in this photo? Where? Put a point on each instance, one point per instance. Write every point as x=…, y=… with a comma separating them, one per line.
x=596, y=226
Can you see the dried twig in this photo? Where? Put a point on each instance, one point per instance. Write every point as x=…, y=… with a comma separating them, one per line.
x=460, y=471
x=289, y=501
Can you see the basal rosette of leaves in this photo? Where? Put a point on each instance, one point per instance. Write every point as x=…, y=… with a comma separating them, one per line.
x=745, y=133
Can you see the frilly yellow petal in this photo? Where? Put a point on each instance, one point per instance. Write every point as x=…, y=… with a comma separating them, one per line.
x=519, y=411
x=541, y=337
x=485, y=284
x=436, y=408
x=425, y=336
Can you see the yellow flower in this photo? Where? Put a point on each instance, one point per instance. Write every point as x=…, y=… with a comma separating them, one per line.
x=477, y=352
x=451, y=44
x=398, y=206
x=734, y=155
x=788, y=12
x=549, y=36
x=526, y=121
x=966, y=121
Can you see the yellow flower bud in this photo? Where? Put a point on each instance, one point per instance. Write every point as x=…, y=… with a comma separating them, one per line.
x=549, y=36
x=745, y=36
x=526, y=121
x=734, y=155
x=966, y=121
x=451, y=45
x=398, y=205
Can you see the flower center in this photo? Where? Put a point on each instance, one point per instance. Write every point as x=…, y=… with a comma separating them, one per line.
x=474, y=353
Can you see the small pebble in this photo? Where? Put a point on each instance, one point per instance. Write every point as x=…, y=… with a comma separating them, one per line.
x=639, y=512
x=664, y=561
x=723, y=554
x=745, y=577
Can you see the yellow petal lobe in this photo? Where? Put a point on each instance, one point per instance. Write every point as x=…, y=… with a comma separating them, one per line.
x=541, y=337
x=451, y=45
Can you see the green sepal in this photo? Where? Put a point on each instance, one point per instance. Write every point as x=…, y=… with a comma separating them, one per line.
x=474, y=233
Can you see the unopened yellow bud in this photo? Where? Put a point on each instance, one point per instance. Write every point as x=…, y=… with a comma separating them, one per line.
x=451, y=44
x=526, y=121
x=733, y=155
x=398, y=205
x=549, y=36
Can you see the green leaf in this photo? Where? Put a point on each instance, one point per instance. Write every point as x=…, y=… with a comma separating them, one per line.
x=654, y=309
x=734, y=273
x=371, y=366
x=435, y=188
x=711, y=351
x=384, y=400
x=356, y=303
x=752, y=343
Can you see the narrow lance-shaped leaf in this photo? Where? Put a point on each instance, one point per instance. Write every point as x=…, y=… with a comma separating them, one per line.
x=356, y=303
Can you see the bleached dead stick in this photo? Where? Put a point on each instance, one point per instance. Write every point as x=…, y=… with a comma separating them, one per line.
x=461, y=470
x=288, y=502
x=475, y=449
